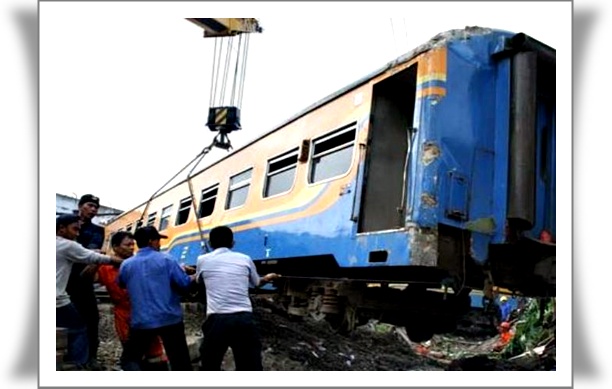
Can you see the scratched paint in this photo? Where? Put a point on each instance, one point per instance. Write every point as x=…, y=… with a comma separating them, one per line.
x=430, y=153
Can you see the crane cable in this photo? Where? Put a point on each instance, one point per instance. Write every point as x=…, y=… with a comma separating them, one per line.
x=225, y=52
x=217, y=97
x=144, y=212
x=219, y=138
x=192, y=193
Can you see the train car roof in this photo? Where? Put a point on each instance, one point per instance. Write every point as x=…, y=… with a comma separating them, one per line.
x=440, y=40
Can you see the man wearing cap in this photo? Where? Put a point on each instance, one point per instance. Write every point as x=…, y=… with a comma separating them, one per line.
x=67, y=253
x=154, y=281
x=80, y=285
x=122, y=243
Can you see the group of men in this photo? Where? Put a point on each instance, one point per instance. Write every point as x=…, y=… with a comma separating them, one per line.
x=146, y=290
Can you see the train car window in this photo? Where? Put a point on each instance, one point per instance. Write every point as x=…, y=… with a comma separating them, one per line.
x=281, y=173
x=332, y=155
x=128, y=228
x=183, y=212
x=164, y=221
x=238, y=189
x=138, y=224
x=207, y=203
x=151, y=219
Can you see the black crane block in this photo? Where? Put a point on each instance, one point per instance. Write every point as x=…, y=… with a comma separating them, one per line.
x=224, y=119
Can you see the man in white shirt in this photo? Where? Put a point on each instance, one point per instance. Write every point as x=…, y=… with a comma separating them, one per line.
x=227, y=276
x=67, y=252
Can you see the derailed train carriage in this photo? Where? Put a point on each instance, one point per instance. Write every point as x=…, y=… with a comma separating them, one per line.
x=435, y=172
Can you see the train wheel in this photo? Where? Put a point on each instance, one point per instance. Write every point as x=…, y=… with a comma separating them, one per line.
x=315, y=309
x=420, y=330
x=338, y=324
x=343, y=322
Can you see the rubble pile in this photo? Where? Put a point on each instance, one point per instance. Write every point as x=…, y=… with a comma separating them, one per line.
x=478, y=344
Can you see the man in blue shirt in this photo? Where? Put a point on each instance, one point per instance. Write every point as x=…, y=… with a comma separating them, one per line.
x=154, y=282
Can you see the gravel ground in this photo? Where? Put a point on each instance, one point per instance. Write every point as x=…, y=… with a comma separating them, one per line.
x=309, y=345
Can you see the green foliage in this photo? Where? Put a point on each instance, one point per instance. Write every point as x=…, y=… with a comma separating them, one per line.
x=531, y=330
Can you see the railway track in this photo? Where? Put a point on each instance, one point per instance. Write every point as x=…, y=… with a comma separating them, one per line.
x=102, y=295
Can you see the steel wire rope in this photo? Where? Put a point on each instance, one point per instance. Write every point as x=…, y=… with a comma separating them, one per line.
x=228, y=56
x=243, y=72
x=238, y=57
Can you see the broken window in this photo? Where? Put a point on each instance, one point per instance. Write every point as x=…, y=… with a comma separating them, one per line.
x=183, y=212
x=207, y=203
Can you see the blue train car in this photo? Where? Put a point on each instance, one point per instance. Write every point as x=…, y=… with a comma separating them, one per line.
x=435, y=171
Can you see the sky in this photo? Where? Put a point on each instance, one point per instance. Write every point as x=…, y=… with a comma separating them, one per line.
x=125, y=87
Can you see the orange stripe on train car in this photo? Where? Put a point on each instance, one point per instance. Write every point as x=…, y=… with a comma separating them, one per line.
x=328, y=199
x=432, y=62
x=431, y=91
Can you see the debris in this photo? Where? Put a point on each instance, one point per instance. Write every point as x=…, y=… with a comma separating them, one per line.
x=310, y=345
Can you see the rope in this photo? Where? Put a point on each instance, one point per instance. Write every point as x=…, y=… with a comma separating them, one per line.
x=236, y=70
x=144, y=212
x=243, y=71
x=394, y=38
x=216, y=71
x=212, y=78
x=193, y=198
x=228, y=56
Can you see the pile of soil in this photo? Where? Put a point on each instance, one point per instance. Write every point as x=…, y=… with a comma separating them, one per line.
x=311, y=345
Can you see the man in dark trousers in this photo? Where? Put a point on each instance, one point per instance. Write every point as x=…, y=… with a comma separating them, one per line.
x=68, y=253
x=80, y=286
x=154, y=282
x=228, y=275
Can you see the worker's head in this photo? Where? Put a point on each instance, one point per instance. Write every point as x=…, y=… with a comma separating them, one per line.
x=67, y=226
x=148, y=237
x=221, y=236
x=88, y=206
x=122, y=244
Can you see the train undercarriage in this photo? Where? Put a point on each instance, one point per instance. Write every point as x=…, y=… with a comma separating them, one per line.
x=425, y=300
x=348, y=304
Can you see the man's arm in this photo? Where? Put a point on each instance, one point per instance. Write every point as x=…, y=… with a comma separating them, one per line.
x=77, y=253
x=178, y=276
x=91, y=272
x=268, y=277
x=198, y=271
x=255, y=280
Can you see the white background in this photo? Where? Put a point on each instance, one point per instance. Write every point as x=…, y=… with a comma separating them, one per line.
x=127, y=83
x=19, y=195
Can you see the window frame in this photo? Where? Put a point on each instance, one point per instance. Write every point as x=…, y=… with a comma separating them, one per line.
x=151, y=221
x=325, y=137
x=204, y=191
x=240, y=185
x=167, y=217
x=294, y=152
x=178, y=212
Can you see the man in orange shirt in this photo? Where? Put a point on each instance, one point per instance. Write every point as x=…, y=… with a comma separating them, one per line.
x=122, y=244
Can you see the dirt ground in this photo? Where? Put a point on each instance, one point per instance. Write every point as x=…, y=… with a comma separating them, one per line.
x=309, y=345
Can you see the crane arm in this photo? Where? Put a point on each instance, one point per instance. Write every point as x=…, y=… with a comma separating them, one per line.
x=219, y=27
